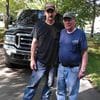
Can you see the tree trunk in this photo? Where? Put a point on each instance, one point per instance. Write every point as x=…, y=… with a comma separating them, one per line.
x=93, y=21
x=7, y=15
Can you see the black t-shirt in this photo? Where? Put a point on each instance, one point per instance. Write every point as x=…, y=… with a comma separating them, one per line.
x=48, y=41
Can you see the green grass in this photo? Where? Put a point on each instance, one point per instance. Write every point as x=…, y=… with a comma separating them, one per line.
x=93, y=68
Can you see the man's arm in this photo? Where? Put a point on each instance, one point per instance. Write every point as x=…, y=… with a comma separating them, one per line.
x=33, y=54
x=84, y=64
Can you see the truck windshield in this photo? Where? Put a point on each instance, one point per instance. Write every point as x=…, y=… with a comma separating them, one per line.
x=30, y=17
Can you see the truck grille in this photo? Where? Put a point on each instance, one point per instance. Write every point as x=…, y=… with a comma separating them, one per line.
x=23, y=41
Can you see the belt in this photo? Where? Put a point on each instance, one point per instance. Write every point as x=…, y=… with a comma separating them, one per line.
x=70, y=65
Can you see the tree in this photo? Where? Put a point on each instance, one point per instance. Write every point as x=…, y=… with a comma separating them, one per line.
x=94, y=4
x=86, y=10
x=80, y=7
x=10, y=8
x=7, y=14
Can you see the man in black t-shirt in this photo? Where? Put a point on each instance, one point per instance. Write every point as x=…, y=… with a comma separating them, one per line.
x=44, y=53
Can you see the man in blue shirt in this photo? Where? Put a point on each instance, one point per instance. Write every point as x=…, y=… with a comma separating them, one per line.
x=72, y=57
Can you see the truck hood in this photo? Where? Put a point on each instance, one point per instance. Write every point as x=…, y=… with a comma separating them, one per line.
x=19, y=28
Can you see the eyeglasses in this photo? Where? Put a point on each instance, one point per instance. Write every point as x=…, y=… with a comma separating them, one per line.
x=50, y=11
x=67, y=19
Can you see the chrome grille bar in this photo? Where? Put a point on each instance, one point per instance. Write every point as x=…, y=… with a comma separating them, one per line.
x=24, y=41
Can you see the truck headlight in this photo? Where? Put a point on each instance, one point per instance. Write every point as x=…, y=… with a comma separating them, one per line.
x=9, y=39
x=9, y=49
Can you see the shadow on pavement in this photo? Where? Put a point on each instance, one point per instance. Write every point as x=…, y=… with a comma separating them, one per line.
x=90, y=94
x=13, y=82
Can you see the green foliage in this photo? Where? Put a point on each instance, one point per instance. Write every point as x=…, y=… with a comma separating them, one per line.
x=15, y=6
x=83, y=8
x=93, y=68
x=39, y=4
x=2, y=6
x=80, y=7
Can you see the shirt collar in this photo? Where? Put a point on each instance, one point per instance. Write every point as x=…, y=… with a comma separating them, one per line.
x=71, y=31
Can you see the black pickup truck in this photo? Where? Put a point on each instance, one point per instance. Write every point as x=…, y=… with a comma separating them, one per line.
x=18, y=38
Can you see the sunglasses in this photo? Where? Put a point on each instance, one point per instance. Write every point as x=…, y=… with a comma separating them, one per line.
x=50, y=11
x=67, y=19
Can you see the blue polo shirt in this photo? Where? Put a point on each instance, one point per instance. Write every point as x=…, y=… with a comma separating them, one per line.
x=71, y=47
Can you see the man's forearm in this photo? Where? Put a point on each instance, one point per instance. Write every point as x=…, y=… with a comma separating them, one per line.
x=33, y=49
x=84, y=60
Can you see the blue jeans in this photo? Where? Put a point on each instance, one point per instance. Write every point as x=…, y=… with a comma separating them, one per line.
x=67, y=83
x=35, y=79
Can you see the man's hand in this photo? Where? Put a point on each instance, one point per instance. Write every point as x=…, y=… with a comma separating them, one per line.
x=33, y=65
x=81, y=74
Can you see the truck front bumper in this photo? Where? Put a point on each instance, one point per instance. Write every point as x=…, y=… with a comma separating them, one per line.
x=16, y=56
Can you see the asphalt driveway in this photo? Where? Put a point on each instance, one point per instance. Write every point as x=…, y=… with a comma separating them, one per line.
x=13, y=82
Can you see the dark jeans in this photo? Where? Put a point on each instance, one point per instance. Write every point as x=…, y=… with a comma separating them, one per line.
x=35, y=79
